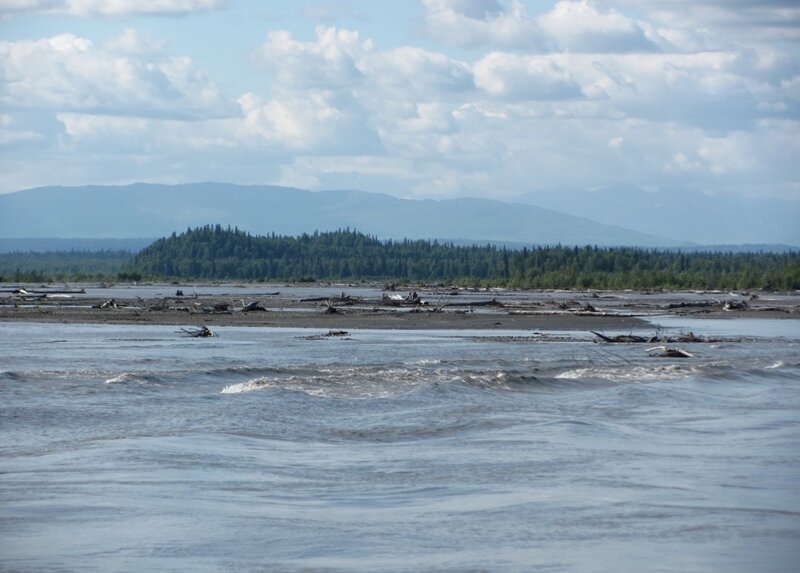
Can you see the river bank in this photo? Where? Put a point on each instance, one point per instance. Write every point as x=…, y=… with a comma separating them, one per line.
x=372, y=307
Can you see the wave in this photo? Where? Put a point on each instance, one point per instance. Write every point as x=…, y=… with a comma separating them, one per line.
x=345, y=382
x=131, y=378
x=249, y=386
x=369, y=382
x=635, y=374
x=36, y=375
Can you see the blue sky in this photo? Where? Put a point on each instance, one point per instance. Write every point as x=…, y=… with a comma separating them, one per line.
x=429, y=98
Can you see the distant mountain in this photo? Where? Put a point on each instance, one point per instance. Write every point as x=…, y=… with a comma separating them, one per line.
x=682, y=213
x=45, y=245
x=147, y=210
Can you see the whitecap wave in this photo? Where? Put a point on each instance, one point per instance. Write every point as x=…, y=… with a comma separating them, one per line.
x=342, y=383
x=127, y=378
x=369, y=382
x=628, y=374
x=249, y=386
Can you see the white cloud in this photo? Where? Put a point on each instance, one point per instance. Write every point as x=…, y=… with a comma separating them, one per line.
x=328, y=62
x=416, y=73
x=88, y=8
x=473, y=23
x=319, y=121
x=523, y=77
x=697, y=23
x=129, y=75
x=729, y=154
x=327, y=11
x=578, y=26
x=10, y=133
x=577, y=96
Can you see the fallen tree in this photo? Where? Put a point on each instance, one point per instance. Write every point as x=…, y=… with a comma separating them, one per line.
x=684, y=337
x=199, y=332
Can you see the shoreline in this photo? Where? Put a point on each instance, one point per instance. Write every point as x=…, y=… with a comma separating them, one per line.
x=343, y=320
x=370, y=308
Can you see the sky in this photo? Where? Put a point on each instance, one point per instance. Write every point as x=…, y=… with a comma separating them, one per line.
x=417, y=98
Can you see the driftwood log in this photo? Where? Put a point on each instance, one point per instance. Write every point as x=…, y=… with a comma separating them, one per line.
x=200, y=332
x=681, y=338
x=694, y=304
x=341, y=299
x=622, y=338
x=669, y=352
x=252, y=306
x=493, y=302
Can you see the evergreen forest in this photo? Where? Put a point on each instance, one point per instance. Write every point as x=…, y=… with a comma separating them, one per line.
x=52, y=266
x=214, y=252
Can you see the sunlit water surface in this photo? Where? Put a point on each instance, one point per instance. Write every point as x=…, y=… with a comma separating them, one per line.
x=136, y=449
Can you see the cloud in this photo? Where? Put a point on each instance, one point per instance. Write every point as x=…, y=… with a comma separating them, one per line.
x=330, y=61
x=90, y=8
x=582, y=95
x=129, y=75
x=327, y=11
x=474, y=23
x=523, y=77
x=578, y=26
x=700, y=22
x=411, y=73
x=319, y=121
x=10, y=133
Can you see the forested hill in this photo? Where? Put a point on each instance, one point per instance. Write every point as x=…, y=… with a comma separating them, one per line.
x=150, y=210
x=213, y=252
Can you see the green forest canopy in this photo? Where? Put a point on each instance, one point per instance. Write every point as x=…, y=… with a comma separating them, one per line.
x=214, y=252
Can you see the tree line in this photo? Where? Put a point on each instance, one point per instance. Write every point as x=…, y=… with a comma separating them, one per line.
x=214, y=252
x=81, y=265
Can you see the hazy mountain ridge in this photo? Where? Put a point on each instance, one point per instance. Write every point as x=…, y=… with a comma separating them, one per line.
x=51, y=245
x=723, y=219
x=153, y=210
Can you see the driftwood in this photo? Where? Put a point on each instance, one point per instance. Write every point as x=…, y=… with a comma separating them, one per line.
x=735, y=305
x=43, y=291
x=493, y=302
x=341, y=299
x=681, y=338
x=110, y=303
x=424, y=306
x=329, y=308
x=343, y=334
x=623, y=338
x=252, y=306
x=200, y=332
x=694, y=304
x=411, y=298
x=669, y=352
x=315, y=299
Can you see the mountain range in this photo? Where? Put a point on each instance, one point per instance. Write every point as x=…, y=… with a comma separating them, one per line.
x=707, y=219
x=152, y=210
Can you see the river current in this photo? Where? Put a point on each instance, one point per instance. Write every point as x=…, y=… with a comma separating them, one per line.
x=134, y=448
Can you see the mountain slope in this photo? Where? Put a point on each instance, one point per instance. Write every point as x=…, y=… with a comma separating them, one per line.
x=681, y=212
x=146, y=210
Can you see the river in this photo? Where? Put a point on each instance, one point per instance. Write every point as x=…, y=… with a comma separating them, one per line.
x=133, y=448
